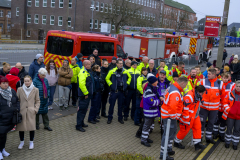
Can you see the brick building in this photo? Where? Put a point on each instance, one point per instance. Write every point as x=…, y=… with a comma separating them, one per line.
x=5, y=16
x=178, y=16
x=33, y=18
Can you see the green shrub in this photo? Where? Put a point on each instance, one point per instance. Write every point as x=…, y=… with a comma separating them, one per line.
x=118, y=156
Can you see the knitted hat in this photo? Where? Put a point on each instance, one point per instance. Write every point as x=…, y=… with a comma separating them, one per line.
x=133, y=62
x=39, y=55
x=14, y=71
x=175, y=74
x=79, y=55
x=236, y=56
x=150, y=75
x=226, y=68
x=114, y=58
x=175, y=63
x=152, y=79
x=209, y=64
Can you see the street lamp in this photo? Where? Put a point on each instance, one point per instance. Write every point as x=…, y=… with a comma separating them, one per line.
x=92, y=8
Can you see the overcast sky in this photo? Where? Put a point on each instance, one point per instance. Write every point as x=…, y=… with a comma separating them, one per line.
x=214, y=8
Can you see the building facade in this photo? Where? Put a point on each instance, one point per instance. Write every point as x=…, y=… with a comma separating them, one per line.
x=32, y=19
x=5, y=16
x=178, y=16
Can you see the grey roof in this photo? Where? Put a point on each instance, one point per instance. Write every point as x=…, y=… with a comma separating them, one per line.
x=5, y=3
x=237, y=25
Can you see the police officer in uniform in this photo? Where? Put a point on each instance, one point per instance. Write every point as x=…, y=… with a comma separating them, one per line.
x=118, y=79
x=134, y=72
x=85, y=91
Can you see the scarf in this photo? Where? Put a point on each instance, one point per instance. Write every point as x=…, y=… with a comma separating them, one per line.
x=238, y=93
x=45, y=94
x=6, y=94
x=27, y=90
x=52, y=67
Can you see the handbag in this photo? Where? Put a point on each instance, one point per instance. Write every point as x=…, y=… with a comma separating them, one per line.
x=17, y=117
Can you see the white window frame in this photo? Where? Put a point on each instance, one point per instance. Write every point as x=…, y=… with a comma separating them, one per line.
x=150, y=3
x=36, y=2
x=113, y=27
x=155, y=5
x=44, y=19
x=70, y=3
x=97, y=6
x=118, y=10
x=100, y=22
x=69, y=22
x=53, y=3
x=145, y=2
x=92, y=3
x=110, y=8
x=36, y=18
x=102, y=7
x=91, y=23
x=132, y=1
x=60, y=20
x=29, y=18
x=17, y=11
x=29, y=3
x=52, y=20
x=44, y=3
x=143, y=15
x=28, y=35
x=142, y=2
x=61, y=2
x=1, y=13
x=9, y=15
x=106, y=8
x=95, y=24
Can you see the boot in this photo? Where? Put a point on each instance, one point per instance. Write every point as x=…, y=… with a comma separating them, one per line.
x=222, y=138
x=146, y=144
x=227, y=145
x=31, y=145
x=215, y=136
x=199, y=146
x=234, y=147
x=5, y=153
x=210, y=141
x=168, y=158
x=21, y=145
x=179, y=145
x=138, y=134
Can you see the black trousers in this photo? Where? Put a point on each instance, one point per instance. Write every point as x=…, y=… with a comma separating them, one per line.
x=104, y=101
x=83, y=106
x=74, y=94
x=130, y=96
x=3, y=140
x=21, y=135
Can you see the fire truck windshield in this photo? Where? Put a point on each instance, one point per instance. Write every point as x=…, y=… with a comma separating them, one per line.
x=60, y=46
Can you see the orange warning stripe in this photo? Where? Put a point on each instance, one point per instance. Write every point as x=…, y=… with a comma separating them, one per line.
x=193, y=41
x=57, y=59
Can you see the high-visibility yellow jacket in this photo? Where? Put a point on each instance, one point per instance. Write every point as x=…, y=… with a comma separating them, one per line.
x=76, y=71
x=85, y=83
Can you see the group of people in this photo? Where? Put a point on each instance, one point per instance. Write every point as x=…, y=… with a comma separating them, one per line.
x=193, y=100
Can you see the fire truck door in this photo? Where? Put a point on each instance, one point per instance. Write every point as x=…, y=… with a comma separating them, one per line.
x=152, y=48
x=160, y=49
x=132, y=46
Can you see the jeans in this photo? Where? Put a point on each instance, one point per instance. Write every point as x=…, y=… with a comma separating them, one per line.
x=52, y=91
x=64, y=96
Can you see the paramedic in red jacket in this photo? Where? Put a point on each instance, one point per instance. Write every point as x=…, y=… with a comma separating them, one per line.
x=233, y=120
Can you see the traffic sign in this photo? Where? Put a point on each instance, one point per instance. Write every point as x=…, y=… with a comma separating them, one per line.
x=212, y=24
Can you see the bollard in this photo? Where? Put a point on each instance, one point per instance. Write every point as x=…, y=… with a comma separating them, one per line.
x=166, y=139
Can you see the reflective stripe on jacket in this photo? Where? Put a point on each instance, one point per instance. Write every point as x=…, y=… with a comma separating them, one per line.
x=140, y=81
x=76, y=70
x=85, y=83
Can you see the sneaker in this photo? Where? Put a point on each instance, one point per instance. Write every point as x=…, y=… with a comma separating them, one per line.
x=5, y=153
x=13, y=129
x=31, y=145
x=21, y=145
x=179, y=145
x=1, y=156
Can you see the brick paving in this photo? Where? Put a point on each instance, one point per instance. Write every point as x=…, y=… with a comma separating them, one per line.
x=64, y=142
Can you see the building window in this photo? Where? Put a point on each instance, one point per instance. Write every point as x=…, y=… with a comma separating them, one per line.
x=60, y=3
x=17, y=11
x=100, y=22
x=96, y=24
x=145, y=2
x=155, y=4
x=97, y=6
x=92, y=3
x=110, y=8
x=133, y=1
x=106, y=8
x=1, y=13
x=36, y=3
x=69, y=21
x=28, y=33
x=36, y=19
x=91, y=23
x=28, y=18
x=113, y=27
x=44, y=19
x=52, y=3
x=29, y=3
x=60, y=20
x=142, y=2
x=70, y=4
x=139, y=2
x=44, y=3
x=150, y=3
x=118, y=10
x=52, y=20
x=102, y=6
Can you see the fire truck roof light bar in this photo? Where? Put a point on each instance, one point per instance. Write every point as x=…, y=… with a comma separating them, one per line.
x=160, y=30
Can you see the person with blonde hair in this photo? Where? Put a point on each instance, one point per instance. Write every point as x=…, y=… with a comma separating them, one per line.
x=6, y=69
x=28, y=96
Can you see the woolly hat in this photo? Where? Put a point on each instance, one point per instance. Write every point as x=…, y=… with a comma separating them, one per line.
x=175, y=74
x=152, y=79
x=236, y=56
x=150, y=75
x=175, y=63
x=79, y=55
x=114, y=58
x=209, y=64
x=38, y=56
x=3, y=79
x=14, y=71
x=226, y=68
x=133, y=62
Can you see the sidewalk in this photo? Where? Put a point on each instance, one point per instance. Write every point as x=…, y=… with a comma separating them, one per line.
x=21, y=46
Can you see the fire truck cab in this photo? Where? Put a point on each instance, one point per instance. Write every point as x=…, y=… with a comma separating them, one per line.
x=153, y=43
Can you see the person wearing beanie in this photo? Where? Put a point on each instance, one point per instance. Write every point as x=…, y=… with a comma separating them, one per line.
x=132, y=91
x=64, y=82
x=175, y=77
x=79, y=58
x=231, y=59
x=209, y=66
x=235, y=69
x=151, y=104
x=35, y=66
x=14, y=80
x=113, y=63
